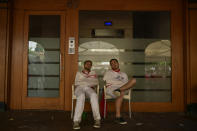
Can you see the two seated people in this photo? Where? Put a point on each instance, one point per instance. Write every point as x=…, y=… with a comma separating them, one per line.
x=86, y=79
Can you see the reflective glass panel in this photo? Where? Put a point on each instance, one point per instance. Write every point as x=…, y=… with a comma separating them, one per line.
x=139, y=40
x=44, y=56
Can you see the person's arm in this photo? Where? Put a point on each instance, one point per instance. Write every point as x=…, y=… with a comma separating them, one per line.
x=92, y=80
x=79, y=79
x=115, y=80
x=125, y=78
x=107, y=78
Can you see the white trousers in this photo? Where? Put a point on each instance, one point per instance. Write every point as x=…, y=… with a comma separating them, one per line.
x=81, y=93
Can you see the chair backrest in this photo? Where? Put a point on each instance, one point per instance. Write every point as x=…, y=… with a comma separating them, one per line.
x=73, y=91
x=126, y=96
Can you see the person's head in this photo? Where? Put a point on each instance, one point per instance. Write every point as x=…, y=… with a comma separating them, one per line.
x=88, y=65
x=114, y=64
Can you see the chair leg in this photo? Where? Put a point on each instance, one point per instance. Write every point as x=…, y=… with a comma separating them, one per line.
x=130, y=112
x=105, y=109
x=129, y=109
x=72, y=110
x=132, y=115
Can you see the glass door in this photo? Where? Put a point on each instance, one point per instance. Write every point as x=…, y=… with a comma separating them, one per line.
x=44, y=60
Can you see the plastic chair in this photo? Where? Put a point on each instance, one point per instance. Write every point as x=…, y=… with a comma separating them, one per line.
x=126, y=97
x=74, y=96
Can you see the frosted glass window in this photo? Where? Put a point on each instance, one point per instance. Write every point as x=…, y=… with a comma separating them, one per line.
x=44, y=56
x=144, y=52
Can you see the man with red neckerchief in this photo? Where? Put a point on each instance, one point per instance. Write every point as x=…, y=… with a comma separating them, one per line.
x=117, y=81
x=84, y=83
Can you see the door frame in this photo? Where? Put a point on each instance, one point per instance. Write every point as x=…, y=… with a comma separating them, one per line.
x=43, y=102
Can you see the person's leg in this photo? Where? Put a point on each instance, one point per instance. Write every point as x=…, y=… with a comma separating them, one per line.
x=128, y=85
x=119, y=119
x=118, y=104
x=79, y=105
x=94, y=103
x=95, y=107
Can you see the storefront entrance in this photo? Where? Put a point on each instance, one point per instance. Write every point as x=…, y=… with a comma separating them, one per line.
x=146, y=38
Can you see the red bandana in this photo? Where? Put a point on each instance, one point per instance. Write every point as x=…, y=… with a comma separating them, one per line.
x=117, y=70
x=85, y=72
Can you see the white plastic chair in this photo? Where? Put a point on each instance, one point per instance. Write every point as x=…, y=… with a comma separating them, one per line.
x=126, y=97
x=74, y=97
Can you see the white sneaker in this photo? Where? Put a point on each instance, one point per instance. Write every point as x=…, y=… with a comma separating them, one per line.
x=76, y=125
x=97, y=124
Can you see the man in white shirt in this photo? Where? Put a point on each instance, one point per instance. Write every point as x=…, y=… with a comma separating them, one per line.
x=85, y=81
x=117, y=81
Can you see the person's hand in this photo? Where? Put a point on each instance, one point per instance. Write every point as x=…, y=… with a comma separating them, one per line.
x=93, y=87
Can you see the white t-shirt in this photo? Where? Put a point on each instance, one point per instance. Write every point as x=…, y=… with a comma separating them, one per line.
x=115, y=79
x=86, y=79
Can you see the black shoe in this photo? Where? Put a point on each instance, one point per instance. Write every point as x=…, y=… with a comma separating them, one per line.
x=120, y=120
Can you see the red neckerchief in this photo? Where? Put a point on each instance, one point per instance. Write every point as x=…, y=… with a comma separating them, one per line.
x=116, y=70
x=85, y=72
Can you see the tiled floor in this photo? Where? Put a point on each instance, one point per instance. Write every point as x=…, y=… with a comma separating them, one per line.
x=60, y=121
